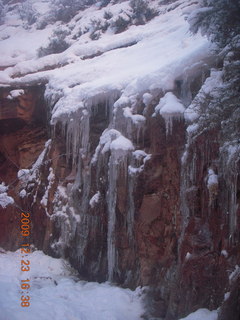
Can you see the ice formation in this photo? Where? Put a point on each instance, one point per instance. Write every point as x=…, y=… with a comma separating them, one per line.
x=170, y=109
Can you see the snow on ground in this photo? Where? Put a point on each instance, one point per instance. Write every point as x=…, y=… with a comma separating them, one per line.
x=22, y=44
x=17, y=42
x=55, y=294
x=202, y=314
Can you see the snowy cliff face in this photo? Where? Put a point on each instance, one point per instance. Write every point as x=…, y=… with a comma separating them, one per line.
x=119, y=175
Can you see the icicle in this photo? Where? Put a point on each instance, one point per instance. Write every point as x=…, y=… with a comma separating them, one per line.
x=118, y=163
x=111, y=202
x=230, y=162
x=138, y=159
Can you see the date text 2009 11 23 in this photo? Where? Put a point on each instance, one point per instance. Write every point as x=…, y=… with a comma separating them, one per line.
x=25, y=263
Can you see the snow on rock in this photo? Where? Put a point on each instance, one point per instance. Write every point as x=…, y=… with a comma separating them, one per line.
x=212, y=184
x=136, y=118
x=235, y=274
x=139, y=154
x=212, y=178
x=210, y=87
x=192, y=128
x=188, y=256
x=139, y=157
x=105, y=141
x=202, y=314
x=51, y=178
x=147, y=98
x=112, y=140
x=55, y=292
x=170, y=108
x=23, y=193
x=226, y=296
x=27, y=175
x=15, y=93
x=121, y=143
x=224, y=253
x=232, y=149
x=5, y=200
x=95, y=199
x=24, y=175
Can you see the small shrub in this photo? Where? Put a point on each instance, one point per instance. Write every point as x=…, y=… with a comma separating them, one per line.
x=96, y=27
x=27, y=13
x=121, y=24
x=107, y=15
x=141, y=11
x=44, y=21
x=95, y=35
x=219, y=20
x=65, y=10
x=150, y=14
x=57, y=43
x=78, y=34
x=2, y=13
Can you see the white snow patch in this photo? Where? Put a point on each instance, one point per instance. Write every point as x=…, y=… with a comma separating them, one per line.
x=170, y=108
x=28, y=175
x=95, y=199
x=233, y=150
x=133, y=170
x=224, y=253
x=188, y=256
x=212, y=178
x=210, y=87
x=24, y=175
x=112, y=140
x=77, y=217
x=147, y=98
x=5, y=200
x=51, y=178
x=136, y=118
x=121, y=143
x=23, y=193
x=235, y=274
x=191, y=129
x=139, y=154
x=15, y=93
x=202, y=314
x=226, y=296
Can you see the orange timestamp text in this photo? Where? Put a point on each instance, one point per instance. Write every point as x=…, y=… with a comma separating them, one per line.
x=25, y=262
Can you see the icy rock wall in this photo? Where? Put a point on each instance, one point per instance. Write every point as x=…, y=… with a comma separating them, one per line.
x=99, y=183
x=129, y=199
x=209, y=241
x=115, y=212
x=139, y=204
